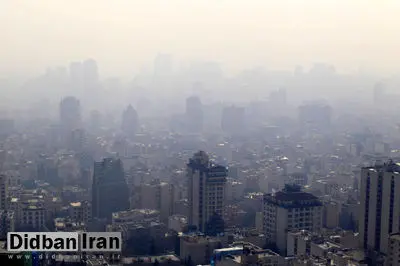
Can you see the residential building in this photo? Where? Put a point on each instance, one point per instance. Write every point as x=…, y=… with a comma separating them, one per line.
x=289, y=209
x=80, y=212
x=379, y=205
x=206, y=193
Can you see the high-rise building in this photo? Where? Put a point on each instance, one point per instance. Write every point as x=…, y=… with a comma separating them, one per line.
x=130, y=121
x=70, y=113
x=3, y=192
x=233, y=120
x=206, y=193
x=109, y=192
x=90, y=73
x=77, y=139
x=379, y=214
x=289, y=209
x=194, y=115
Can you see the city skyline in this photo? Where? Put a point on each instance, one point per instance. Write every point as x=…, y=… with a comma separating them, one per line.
x=125, y=36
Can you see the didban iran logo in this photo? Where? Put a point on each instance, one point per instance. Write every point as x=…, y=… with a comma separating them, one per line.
x=64, y=241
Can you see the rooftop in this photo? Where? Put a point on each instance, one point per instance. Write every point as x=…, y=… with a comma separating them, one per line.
x=292, y=198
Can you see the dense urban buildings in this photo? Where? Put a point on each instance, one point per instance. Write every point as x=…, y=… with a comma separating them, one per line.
x=194, y=115
x=205, y=180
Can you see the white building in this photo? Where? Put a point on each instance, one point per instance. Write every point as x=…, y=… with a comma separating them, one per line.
x=379, y=205
x=290, y=209
x=298, y=243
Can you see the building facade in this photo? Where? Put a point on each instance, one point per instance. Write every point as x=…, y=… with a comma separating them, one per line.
x=110, y=192
x=379, y=214
x=290, y=209
x=206, y=191
x=3, y=192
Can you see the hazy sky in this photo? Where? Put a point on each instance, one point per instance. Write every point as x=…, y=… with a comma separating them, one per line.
x=123, y=35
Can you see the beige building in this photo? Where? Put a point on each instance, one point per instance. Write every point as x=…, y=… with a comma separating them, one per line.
x=206, y=190
x=80, y=212
x=379, y=214
x=290, y=209
x=298, y=243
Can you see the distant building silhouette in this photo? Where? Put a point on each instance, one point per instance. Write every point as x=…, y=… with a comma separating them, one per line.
x=315, y=115
x=130, y=121
x=70, y=113
x=110, y=192
x=90, y=73
x=278, y=97
x=233, y=120
x=194, y=115
x=206, y=194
